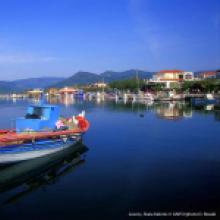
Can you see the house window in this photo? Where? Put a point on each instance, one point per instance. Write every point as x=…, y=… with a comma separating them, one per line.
x=188, y=76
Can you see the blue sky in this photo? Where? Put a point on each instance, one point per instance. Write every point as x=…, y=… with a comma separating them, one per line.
x=61, y=37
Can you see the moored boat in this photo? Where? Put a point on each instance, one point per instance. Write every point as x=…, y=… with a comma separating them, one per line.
x=208, y=99
x=40, y=133
x=79, y=94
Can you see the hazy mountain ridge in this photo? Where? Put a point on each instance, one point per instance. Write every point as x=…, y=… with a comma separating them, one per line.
x=7, y=87
x=41, y=82
x=81, y=78
x=110, y=76
x=30, y=83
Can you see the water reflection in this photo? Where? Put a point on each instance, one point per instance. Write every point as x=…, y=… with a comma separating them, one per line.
x=66, y=99
x=52, y=99
x=209, y=107
x=173, y=111
x=167, y=110
x=25, y=177
x=146, y=151
x=164, y=110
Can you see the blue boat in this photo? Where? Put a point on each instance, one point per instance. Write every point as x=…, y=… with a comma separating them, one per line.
x=79, y=94
x=207, y=100
x=37, y=135
x=27, y=151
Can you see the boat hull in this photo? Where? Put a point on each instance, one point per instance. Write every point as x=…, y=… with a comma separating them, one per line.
x=203, y=101
x=14, y=154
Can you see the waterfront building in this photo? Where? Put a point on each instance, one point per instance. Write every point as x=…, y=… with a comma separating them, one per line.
x=99, y=85
x=172, y=77
x=67, y=91
x=208, y=75
x=53, y=92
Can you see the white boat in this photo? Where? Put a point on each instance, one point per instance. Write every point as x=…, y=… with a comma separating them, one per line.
x=209, y=96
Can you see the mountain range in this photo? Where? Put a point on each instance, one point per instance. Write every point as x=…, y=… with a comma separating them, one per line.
x=79, y=78
x=30, y=83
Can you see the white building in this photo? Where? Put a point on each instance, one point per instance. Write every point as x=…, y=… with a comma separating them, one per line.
x=169, y=77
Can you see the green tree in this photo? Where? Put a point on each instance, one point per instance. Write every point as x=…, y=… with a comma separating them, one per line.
x=128, y=84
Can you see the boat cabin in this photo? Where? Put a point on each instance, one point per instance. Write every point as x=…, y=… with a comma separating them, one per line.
x=38, y=118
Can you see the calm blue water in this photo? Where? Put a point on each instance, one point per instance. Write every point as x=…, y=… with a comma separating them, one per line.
x=161, y=157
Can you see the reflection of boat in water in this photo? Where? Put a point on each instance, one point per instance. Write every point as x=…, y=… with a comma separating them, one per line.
x=24, y=177
x=209, y=107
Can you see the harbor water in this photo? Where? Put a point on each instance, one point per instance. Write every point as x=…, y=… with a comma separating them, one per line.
x=135, y=158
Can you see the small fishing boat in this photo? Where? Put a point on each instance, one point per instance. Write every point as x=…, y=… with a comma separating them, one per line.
x=208, y=99
x=79, y=94
x=40, y=133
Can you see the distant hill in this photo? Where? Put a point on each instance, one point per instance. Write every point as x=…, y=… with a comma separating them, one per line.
x=81, y=78
x=41, y=82
x=24, y=84
x=7, y=87
x=110, y=76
